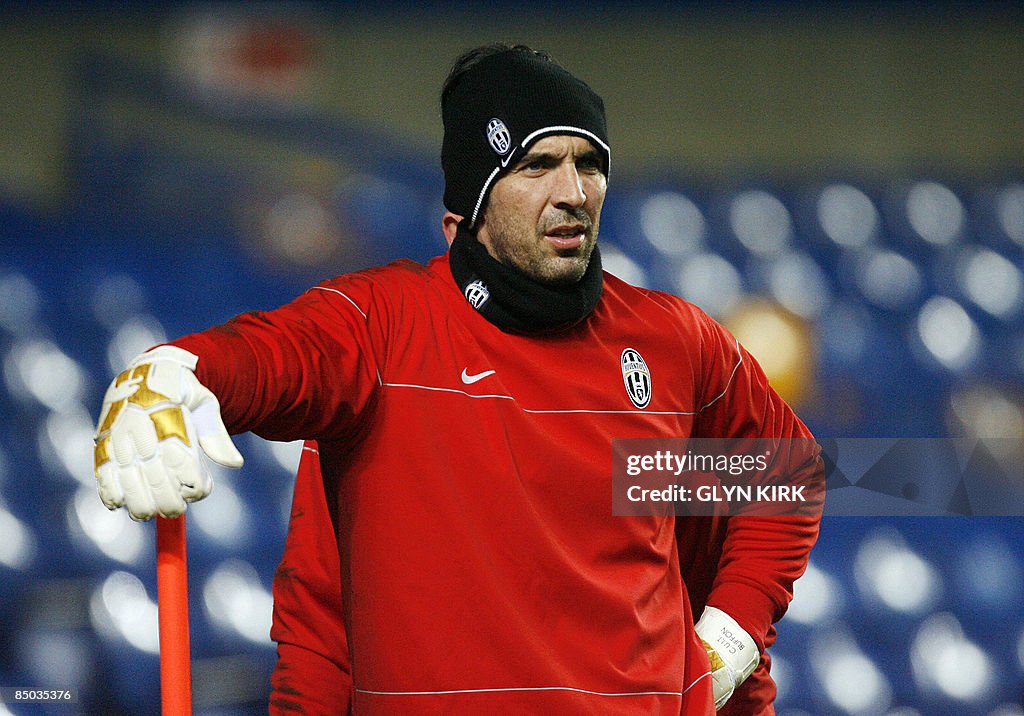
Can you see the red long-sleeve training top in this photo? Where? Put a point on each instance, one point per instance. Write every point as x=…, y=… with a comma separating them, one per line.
x=467, y=475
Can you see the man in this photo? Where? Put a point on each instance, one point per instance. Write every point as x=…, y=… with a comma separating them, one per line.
x=463, y=413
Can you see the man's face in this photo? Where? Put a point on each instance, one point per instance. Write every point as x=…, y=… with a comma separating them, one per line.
x=543, y=215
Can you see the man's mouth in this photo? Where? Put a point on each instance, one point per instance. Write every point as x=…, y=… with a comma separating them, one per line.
x=566, y=237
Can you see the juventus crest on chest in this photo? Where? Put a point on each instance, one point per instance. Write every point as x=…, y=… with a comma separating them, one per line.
x=636, y=377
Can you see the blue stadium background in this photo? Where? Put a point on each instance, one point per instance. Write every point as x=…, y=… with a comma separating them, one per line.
x=903, y=295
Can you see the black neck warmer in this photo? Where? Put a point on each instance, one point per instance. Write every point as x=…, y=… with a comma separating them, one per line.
x=514, y=301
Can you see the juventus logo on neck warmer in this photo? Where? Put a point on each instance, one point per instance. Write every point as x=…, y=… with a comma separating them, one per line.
x=497, y=110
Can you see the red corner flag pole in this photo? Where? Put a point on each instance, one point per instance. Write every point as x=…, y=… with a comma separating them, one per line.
x=172, y=599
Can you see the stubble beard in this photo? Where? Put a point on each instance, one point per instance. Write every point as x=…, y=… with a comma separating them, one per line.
x=532, y=255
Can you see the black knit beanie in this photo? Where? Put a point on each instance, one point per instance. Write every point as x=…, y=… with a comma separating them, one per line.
x=497, y=109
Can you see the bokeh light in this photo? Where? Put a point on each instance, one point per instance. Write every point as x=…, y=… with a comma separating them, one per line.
x=711, y=282
x=761, y=222
x=852, y=681
x=781, y=342
x=235, y=599
x=935, y=213
x=892, y=574
x=945, y=660
x=40, y=370
x=121, y=610
x=96, y=528
x=847, y=216
x=673, y=224
x=817, y=597
x=948, y=333
x=887, y=279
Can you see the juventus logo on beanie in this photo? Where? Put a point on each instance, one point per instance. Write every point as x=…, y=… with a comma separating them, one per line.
x=498, y=108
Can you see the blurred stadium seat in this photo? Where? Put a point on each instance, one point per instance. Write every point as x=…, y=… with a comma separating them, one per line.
x=911, y=298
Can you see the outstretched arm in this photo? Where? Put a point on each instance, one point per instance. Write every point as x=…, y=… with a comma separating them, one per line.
x=307, y=369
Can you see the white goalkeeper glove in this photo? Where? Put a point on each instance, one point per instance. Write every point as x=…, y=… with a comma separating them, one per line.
x=156, y=416
x=732, y=652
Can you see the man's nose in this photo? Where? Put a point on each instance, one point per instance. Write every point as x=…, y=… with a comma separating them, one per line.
x=568, y=190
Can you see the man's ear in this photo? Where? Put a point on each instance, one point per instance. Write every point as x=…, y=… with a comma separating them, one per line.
x=449, y=224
